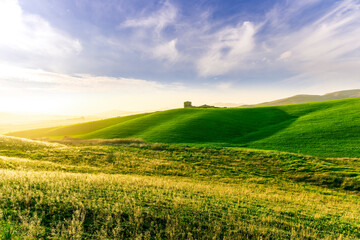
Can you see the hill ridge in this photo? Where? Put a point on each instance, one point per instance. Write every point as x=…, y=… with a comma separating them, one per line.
x=328, y=128
x=306, y=98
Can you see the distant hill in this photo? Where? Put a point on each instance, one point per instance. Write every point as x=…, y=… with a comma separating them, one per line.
x=304, y=98
x=329, y=128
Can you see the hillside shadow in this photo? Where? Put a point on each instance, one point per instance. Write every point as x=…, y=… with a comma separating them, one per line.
x=277, y=121
x=226, y=126
x=264, y=132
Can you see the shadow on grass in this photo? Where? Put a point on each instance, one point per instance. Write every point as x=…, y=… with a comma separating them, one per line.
x=232, y=126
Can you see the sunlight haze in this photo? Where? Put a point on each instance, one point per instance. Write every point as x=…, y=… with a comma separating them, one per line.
x=84, y=57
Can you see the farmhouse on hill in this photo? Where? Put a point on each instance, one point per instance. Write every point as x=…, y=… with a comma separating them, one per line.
x=188, y=104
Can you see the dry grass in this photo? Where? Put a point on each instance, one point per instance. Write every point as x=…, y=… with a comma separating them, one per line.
x=78, y=141
x=100, y=206
x=159, y=191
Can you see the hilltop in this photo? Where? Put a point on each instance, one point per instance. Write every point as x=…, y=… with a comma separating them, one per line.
x=320, y=128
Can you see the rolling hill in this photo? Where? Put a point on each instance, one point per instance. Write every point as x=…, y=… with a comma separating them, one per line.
x=329, y=128
x=170, y=191
x=305, y=98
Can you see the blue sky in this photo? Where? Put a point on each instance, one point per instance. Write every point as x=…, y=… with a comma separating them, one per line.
x=82, y=56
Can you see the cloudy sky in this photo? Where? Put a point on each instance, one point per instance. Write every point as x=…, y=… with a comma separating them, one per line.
x=87, y=56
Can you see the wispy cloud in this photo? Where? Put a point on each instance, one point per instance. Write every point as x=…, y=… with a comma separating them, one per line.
x=30, y=34
x=229, y=49
x=323, y=44
x=327, y=43
x=308, y=45
x=149, y=33
x=333, y=36
x=43, y=80
x=167, y=51
x=282, y=13
x=157, y=20
x=325, y=50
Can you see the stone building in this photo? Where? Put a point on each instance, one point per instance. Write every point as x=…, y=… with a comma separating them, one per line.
x=187, y=104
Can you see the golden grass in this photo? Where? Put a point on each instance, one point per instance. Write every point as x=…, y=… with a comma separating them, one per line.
x=78, y=141
x=247, y=209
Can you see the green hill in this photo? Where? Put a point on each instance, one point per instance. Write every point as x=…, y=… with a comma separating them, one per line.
x=171, y=191
x=306, y=98
x=330, y=128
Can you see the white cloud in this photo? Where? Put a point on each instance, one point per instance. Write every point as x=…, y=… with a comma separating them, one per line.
x=166, y=51
x=331, y=37
x=15, y=77
x=148, y=37
x=279, y=16
x=228, y=51
x=158, y=20
x=31, y=34
x=324, y=54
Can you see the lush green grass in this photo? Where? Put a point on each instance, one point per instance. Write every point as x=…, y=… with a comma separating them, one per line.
x=188, y=186
x=159, y=191
x=330, y=128
x=195, y=125
x=326, y=129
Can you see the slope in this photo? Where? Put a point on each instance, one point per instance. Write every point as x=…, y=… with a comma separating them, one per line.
x=330, y=128
x=305, y=98
x=197, y=125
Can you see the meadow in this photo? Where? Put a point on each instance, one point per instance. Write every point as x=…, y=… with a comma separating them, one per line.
x=327, y=129
x=284, y=172
x=160, y=191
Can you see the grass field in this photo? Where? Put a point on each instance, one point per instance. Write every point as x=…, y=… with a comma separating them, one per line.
x=285, y=172
x=160, y=191
x=329, y=129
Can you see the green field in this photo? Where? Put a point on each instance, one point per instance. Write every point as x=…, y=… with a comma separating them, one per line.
x=330, y=128
x=284, y=172
x=160, y=191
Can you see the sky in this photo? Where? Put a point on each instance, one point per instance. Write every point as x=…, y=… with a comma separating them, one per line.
x=87, y=56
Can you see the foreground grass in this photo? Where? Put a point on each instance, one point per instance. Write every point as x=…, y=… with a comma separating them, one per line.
x=67, y=205
x=202, y=163
x=157, y=191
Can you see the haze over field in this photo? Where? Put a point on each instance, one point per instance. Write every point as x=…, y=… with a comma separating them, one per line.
x=84, y=57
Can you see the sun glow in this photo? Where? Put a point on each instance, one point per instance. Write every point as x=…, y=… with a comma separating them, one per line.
x=31, y=104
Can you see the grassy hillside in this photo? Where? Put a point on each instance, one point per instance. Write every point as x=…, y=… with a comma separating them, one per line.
x=330, y=128
x=195, y=125
x=160, y=191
